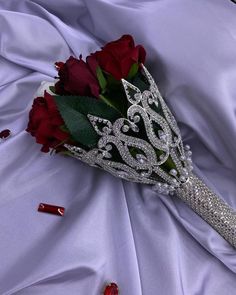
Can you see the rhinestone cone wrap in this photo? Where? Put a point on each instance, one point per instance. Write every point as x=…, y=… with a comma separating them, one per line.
x=154, y=148
x=210, y=207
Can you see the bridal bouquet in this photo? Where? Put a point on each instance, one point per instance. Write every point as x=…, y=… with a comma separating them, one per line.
x=107, y=111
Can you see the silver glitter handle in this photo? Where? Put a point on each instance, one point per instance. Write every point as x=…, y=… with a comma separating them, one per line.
x=210, y=207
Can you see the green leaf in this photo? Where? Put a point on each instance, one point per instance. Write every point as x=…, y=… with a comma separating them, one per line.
x=52, y=88
x=112, y=82
x=77, y=123
x=74, y=111
x=101, y=79
x=89, y=105
x=118, y=100
x=63, y=128
x=139, y=82
x=133, y=71
x=107, y=101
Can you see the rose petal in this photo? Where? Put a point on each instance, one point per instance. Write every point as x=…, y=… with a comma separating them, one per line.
x=111, y=289
x=5, y=133
x=142, y=54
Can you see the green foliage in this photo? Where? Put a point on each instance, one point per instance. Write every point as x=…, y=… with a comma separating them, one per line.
x=52, y=89
x=74, y=111
x=133, y=71
x=101, y=79
x=139, y=82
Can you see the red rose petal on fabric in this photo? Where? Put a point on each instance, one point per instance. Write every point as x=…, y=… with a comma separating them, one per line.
x=52, y=209
x=111, y=289
x=5, y=133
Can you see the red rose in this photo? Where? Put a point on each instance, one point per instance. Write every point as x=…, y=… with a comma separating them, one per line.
x=117, y=57
x=78, y=77
x=44, y=123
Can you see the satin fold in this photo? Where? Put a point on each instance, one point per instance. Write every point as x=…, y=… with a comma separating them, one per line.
x=115, y=230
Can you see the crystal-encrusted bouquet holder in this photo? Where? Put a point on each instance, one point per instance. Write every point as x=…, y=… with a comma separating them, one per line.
x=143, y=148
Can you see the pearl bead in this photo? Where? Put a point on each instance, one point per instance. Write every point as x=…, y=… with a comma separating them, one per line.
x=187, y=147
x=173, y=172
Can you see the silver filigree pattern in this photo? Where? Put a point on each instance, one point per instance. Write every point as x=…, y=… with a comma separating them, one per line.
x=140, y=160
x=141, y=147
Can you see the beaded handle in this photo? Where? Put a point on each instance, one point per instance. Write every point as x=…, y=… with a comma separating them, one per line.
x=210, y=207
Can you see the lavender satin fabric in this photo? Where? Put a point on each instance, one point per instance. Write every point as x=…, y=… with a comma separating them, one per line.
x=113, y=230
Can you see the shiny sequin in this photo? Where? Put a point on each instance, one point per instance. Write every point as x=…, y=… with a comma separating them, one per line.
x=210, y=207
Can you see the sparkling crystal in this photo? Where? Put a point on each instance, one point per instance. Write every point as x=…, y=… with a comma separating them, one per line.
x=94, y=121
x=189, y=153
x=141, y=158
x=157, y=186
x=125, y=128
x=106, y=154
x=187, y=147
x=106, y=129
x=123, y=174
x=143, y=173
x=136, y=119
x=162, y=135
x=137, y=96
x=182, y=178
x=162, y=156
x=108, y=147
x=135, y=128
x=129, y=89
x=190, y=167
x=171, y=188
x=173, y=172
x=185, y=171
x=150, y=100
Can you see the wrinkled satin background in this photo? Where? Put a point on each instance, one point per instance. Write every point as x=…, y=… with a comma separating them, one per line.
x=114, y=230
